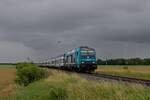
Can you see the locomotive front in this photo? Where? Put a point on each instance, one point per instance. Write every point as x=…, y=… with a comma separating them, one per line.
x=87, y=59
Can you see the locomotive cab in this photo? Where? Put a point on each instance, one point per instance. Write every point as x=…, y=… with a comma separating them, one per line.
x=87, y=59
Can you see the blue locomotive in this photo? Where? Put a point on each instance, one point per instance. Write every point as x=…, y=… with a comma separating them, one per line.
x=81, y=59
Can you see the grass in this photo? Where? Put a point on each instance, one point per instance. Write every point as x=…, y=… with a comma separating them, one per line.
x=142, y=72
x=60, y=86
x=7, y=66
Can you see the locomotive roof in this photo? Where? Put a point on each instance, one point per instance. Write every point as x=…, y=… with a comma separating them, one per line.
x=86, y=47
x=81, y=47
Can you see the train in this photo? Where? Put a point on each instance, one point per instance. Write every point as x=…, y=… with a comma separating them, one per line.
x=81, y=59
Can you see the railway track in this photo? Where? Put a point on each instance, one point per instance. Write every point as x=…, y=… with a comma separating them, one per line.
x=107, y=77
x=121, y=79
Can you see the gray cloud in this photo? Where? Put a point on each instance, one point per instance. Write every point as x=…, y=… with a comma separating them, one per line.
x=104, y=25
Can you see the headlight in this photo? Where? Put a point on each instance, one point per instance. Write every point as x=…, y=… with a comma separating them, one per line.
x=93, y=62
x=82, y=62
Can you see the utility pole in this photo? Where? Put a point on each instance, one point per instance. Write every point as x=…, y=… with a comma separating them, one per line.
x=29, y=60
x=106, y=61
x=125, y=52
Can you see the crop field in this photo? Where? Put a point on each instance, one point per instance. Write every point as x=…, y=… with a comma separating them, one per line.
x=7, y=77
x=142, y=72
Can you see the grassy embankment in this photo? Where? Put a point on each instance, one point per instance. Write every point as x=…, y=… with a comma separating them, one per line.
x=142, y=72
x=60, y=86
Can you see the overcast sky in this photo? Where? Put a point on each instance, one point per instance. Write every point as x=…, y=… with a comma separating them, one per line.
x=33, y=28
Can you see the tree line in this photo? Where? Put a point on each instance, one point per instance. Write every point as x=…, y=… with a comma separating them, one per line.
x=122, y=61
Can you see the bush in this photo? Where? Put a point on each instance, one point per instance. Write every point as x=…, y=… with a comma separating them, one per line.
x=22, y=65
x=28, y=73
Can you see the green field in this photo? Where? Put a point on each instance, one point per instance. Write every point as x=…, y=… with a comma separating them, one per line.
x=60, y=86
x=7, y=66
x=142, y=72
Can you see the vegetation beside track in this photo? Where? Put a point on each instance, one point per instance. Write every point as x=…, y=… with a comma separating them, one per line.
x=60, y=86
x=28, y=73
x=141, y=72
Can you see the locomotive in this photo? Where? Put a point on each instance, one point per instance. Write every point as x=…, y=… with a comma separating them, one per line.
x=82, y=59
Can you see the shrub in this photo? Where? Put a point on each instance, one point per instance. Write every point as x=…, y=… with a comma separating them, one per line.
x=28, y=73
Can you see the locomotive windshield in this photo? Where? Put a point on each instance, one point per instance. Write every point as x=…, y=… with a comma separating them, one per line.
x=87, y=52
